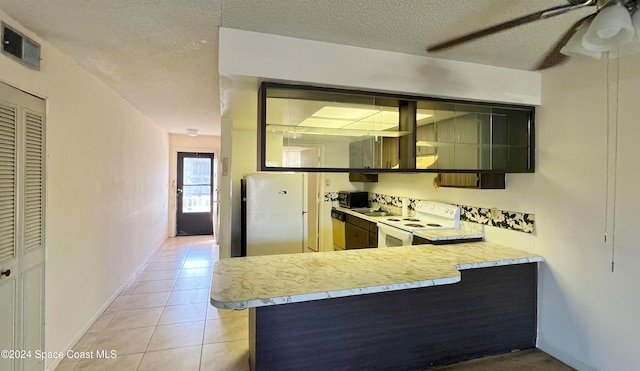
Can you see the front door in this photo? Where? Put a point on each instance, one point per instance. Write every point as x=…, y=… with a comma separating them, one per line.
x=194, y=194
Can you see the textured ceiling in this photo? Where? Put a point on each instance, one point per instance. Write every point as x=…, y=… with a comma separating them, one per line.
x=161, y=55
x=408, y=26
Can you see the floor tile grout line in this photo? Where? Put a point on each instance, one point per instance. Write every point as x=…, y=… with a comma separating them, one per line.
x=140, y=362
x=211, y=259
x=158, y=320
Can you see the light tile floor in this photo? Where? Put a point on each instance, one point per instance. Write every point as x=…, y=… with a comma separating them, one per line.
x=163, y=320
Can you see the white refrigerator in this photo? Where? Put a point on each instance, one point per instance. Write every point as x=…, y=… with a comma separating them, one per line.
x=274, y=213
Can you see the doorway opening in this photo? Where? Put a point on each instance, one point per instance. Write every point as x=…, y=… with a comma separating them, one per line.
x=194, y=194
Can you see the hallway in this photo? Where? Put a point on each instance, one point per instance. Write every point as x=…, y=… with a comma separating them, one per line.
x=163, y=320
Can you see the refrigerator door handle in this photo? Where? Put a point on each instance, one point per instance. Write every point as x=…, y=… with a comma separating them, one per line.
x=283, y=192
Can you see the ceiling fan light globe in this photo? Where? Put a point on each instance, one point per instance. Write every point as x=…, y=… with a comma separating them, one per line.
x=574, y=46
x=610, y=29
x=608, y=33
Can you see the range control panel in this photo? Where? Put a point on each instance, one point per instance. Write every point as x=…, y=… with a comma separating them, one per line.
x=439, y=209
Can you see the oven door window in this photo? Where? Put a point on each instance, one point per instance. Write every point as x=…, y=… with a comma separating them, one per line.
x=391, y=241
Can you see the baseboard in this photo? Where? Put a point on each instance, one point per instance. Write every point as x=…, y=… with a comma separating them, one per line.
x=563, y=356
x=56, y=361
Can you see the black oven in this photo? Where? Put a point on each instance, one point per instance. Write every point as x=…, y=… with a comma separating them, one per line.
x=353, y=200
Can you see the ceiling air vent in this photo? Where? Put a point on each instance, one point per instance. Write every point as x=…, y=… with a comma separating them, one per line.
x=20, y=47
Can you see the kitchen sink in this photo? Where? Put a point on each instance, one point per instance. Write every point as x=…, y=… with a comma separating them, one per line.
x=378, y=213
x=374, y=212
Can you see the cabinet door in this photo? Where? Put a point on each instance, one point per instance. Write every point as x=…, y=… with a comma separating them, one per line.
x=358, y=222
x=425, y=135
x=373, y=239
x=445, y=134
x=356, y=237
x=390, y=153
x=458, y=139
x=466, y=142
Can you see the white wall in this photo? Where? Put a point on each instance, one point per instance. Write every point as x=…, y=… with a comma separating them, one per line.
x=244, y=161
x=225, y=180
x=245, y=53
x=588, y=314
x=107, y=172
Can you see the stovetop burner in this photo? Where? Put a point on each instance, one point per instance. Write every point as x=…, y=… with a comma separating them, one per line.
x=429, y=215
x=414, y=225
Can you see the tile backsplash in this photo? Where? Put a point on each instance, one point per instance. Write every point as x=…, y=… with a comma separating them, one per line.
x=512, y=220
x=331, y=196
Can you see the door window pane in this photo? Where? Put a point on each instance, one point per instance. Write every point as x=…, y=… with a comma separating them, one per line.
x=196, y=171
x=196, y=199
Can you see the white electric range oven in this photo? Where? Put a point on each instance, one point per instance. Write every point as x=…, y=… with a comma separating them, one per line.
x=398, y=231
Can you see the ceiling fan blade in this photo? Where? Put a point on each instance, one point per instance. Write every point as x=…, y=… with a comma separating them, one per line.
x=547, y=13
x=553, y=56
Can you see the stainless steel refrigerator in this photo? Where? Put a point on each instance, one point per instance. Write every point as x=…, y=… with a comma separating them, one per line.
x=274, y=214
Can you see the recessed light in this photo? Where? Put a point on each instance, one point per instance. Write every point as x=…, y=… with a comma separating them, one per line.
x=343, y=113
x=324, y=122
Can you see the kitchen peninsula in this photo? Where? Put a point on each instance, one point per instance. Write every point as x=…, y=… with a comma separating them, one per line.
x=404, y=308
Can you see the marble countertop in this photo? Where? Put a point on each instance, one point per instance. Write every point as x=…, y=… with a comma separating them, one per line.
x=256, y=281
x=451, y=234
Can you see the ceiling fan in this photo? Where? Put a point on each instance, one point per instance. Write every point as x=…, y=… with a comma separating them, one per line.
x=613, y=27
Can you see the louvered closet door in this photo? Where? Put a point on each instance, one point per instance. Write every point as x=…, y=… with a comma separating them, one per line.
x=8, y=206
x=22, y=201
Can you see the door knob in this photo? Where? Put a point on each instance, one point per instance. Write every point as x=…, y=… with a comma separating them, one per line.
x=6, y=273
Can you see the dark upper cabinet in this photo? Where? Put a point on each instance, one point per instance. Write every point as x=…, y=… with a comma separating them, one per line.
x=335, y=130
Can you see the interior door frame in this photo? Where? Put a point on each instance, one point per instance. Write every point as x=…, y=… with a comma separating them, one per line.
x=195, y=223
x=173, y=181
